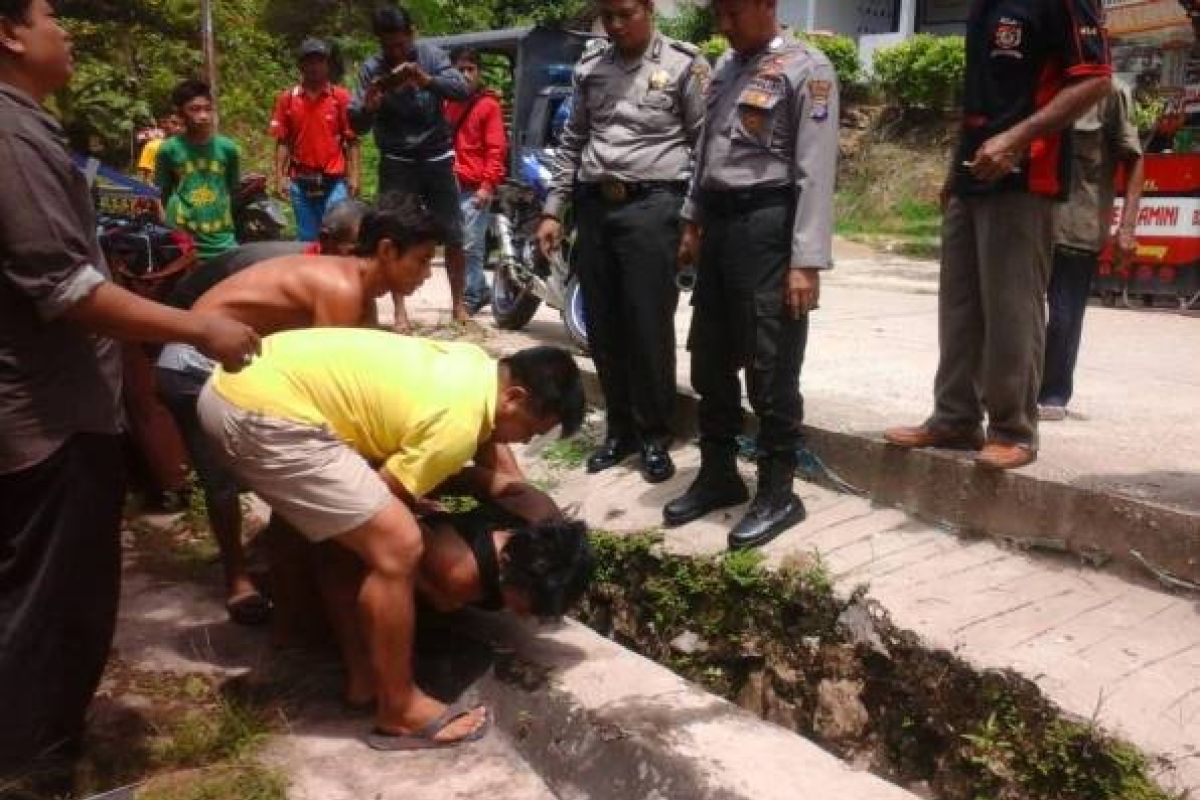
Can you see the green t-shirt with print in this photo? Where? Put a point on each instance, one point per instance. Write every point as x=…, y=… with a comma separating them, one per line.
x=198, y=183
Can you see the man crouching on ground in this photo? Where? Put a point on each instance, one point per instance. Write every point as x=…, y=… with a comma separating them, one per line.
x=342, y=432
x=391, y=252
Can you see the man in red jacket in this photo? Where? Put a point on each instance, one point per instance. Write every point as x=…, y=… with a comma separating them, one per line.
x=480, y=148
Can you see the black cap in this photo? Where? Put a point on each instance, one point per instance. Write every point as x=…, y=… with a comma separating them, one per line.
x=314, y=47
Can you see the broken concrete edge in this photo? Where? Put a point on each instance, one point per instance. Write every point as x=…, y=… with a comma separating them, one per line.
x=1144, y=540
x=597, y=720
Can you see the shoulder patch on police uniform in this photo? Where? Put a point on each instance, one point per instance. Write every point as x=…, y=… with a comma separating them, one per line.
x=685, y=47
x=819, y=91
x=593, y=52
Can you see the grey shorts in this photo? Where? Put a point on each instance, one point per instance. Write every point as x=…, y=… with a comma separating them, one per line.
x=305, y=473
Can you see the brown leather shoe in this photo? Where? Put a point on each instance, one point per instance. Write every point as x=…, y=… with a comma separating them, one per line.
x=926, y=436
x=1003, y=455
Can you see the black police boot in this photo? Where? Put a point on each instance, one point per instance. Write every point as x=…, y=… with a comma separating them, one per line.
x=657, y=465
x=717, y=486
x=775, y=507
x=609, y=454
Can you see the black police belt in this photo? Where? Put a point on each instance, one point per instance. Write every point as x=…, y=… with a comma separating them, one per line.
x=614, y=191
x=728, y=202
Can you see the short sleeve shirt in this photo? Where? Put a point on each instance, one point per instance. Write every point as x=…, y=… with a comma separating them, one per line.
x=1020, y=54
x=1100, y=140
x=56, y=380
x=316, y=128
x=418, y=408
x=198, y=183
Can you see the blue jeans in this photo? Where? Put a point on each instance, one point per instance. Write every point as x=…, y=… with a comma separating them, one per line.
x=310, y=210
x=475, y=227
x=1070, y=285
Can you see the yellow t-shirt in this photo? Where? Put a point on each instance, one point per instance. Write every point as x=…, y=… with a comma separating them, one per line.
x=418, y=407
x=149, y=155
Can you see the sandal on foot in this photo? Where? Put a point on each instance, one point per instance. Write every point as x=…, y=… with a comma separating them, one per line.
x=424, y=738
x=249, y=609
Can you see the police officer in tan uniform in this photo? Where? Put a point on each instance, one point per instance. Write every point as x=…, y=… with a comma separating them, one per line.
x=760, y=219
x=625, y=157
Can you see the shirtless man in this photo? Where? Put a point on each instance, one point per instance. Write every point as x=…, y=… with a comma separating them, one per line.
x=392, y=253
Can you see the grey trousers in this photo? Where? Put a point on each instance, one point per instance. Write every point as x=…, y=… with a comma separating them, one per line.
x=996, y=258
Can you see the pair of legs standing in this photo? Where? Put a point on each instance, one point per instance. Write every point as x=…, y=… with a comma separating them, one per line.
x=476, y=219
x=741, y=324
x=60, y=581
x=310, y=207
x=991, y=328
x=627, y=271
x=435, y=183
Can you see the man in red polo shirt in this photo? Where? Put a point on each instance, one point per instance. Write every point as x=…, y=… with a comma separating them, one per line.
x=316, y=156
x=1033, y=68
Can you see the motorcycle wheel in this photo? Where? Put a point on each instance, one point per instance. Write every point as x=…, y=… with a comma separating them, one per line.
x=573, y=316
x=512, y=304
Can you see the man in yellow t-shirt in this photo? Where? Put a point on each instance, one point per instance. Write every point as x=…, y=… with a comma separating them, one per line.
x=343, y=431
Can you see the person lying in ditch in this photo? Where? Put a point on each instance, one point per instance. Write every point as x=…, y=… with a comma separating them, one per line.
x=343, y=433
x=275, y=286
x=486, y=558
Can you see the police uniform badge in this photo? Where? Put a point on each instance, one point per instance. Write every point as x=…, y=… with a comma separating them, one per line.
x=819, y=92
x=659, y=79
x=754, y=109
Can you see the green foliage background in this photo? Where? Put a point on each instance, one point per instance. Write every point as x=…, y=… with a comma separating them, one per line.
x=923, y=72
x=130, y=53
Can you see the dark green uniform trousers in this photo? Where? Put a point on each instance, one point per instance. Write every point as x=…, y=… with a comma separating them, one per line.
x=740, y=323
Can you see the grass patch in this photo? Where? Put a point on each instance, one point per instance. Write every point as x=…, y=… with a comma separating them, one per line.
x=568, y=453
x=181, y=551
x=244, y=781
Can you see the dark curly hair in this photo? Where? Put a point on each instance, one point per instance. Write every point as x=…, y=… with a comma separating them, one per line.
x=402, y=218
x=552, y=562
x=188, y=90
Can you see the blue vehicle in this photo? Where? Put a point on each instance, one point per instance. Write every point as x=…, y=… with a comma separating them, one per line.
x=541, y=61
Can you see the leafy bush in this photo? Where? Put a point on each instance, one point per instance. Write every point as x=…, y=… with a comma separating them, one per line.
x=690, y=23
x=842, y=52
x=922, y=72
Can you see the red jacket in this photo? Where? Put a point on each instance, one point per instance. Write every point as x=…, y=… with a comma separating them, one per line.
x=480, y=144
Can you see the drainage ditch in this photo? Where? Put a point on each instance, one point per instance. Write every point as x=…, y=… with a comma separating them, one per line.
x=781, y=644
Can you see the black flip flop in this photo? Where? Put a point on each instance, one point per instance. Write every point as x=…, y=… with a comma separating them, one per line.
x=250, y=609
x=423, y=739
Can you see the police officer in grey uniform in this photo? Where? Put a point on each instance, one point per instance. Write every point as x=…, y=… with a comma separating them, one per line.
x=760, y=217
x=625, y=156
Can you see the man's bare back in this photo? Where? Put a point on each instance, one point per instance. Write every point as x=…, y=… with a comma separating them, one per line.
x=299, y=291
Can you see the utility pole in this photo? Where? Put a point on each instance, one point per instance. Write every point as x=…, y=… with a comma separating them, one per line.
x=208, y=45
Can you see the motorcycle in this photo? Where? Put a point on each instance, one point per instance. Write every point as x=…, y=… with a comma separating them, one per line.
x=523, y=278
x=257, y=217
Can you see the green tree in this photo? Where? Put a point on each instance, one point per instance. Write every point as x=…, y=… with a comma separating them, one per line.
x=922, y=72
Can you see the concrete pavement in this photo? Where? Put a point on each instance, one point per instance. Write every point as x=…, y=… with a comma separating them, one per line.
x=1117, y=481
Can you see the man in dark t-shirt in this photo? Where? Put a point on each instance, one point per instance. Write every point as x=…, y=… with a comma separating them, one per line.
x=1033, y=67
x=62, y=480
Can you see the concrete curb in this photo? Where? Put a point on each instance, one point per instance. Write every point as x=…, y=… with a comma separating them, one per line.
x=597, y=721
x=946, y=488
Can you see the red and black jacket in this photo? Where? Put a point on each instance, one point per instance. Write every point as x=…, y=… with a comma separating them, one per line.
x=1020, y=54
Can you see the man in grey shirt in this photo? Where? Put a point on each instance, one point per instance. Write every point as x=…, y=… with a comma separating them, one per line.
x=760, y=222
x=400, y=93
x=1102, y=139
x=61, y=470
x=624, y=158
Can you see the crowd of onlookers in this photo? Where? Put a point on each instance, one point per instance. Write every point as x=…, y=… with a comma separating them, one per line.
x=271, y=363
